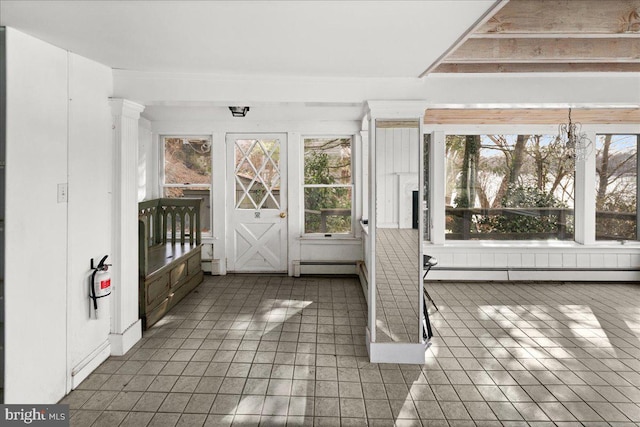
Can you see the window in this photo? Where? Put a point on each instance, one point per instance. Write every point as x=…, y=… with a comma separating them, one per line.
x=187, y=172
x=328, y=186
x=617, y=187
x=508, y=187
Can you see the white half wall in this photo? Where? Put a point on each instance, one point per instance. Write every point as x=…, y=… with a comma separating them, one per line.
x=58, y=132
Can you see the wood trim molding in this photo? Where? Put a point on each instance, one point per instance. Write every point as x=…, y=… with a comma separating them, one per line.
x=531, y=116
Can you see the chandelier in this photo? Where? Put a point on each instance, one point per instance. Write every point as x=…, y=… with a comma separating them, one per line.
x=577, y=146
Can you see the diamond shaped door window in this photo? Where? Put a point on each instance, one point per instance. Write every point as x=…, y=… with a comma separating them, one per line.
x=257, y=174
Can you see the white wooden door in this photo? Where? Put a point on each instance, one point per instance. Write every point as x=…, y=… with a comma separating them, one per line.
x=256, y=203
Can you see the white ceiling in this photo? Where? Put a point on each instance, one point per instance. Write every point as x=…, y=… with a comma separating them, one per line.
x=250, y=38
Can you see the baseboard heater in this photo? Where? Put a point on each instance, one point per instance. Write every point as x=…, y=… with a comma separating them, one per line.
x=532, y=269
x=320, y=267
x=538, y=274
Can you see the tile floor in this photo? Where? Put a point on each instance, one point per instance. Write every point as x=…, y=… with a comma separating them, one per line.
x=397, y=279
x=248, y=350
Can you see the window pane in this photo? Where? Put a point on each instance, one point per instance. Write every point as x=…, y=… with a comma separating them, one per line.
x=257, y=174
x=327, y=210
x=195, y=193
x=327, y=161
x=510, y=187
x=187, y=161
x=616, y=187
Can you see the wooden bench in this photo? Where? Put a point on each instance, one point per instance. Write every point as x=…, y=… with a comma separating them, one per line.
x=170, y=254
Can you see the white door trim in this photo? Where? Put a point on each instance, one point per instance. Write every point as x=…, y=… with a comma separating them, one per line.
x=257, y=234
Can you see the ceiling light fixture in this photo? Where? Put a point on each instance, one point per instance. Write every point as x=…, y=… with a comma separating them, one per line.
x=577, y=145
x=239, y=111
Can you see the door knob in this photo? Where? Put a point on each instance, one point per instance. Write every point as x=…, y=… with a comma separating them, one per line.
x=283, y=214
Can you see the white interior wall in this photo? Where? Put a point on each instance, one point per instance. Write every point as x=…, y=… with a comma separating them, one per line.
x=89, y=213
x=301, y=248
x=397, y=165
x=57, y=132
x=147, y=163
x=35, y=282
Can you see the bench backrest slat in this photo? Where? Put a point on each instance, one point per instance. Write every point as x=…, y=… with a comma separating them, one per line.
x=165, y=220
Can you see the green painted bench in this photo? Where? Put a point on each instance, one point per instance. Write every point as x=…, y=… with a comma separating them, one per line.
x=170, y=251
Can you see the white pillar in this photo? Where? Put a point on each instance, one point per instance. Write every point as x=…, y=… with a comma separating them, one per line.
x=363, y=180
x=437, y=184
x=219, y=202
x=126, y=327
x=585, y=196
x=295, y=223
x=395, y=352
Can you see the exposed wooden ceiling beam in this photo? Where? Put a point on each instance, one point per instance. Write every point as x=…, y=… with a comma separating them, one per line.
x=537, y=68
x=495, y=7
x=585, y=35
x=566, y=16
x=552, y=116
x=547, y=50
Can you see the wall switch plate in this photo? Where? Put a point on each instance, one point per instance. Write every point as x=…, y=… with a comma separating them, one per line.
x=63, y=190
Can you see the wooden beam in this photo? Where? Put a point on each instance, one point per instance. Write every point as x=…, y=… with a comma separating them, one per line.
x=403, y=124
x=584, y=35
x=549, y=50
x=526, y=67
x=531, y=116
x=495, y=7
x=566, y=16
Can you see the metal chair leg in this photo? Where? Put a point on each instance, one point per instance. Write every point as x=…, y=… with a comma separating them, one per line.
x=430, y=299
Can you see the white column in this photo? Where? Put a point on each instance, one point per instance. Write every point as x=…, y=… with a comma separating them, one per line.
x=295, y=215
x=364, y=168
x=218, y=197
x=126, y=327
x=585, y=196
x=371, y=268
x=437, y=183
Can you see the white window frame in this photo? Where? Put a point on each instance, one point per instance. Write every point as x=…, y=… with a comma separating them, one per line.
x=351, y=185
x=161, y=167
x=618, y=132
x=507, y=130
x=584, y=206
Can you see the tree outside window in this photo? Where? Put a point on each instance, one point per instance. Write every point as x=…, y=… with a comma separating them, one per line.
x=616, y=187
x=187, y=172
x=328, y=186
x=508, y=187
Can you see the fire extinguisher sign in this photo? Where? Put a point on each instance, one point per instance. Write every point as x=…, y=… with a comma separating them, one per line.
x=105, y=284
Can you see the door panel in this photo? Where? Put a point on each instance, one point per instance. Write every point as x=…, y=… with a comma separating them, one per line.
x=257, y=203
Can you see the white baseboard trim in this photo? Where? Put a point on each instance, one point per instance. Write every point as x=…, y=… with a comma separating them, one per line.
x=556, y=275
x=121, y=343
x=89, y=364
x=396, y=352
x=216, y=268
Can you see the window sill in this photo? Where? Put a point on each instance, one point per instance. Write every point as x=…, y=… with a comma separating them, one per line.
x=534, y=244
